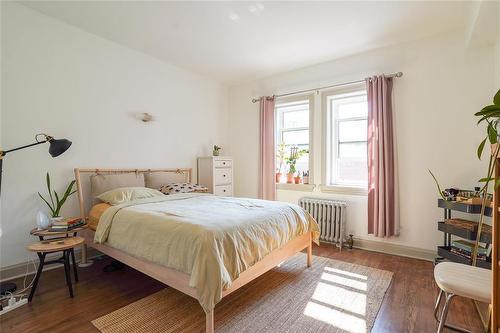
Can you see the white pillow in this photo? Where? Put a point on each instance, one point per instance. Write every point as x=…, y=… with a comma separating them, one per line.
x=124, y=194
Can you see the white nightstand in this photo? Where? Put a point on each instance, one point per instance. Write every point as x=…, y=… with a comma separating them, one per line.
x=216, y=173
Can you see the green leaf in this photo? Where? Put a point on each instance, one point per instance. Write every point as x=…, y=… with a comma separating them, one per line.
x=480, y=148
x=50, y=207
x=57, y=197
x=49, y=189
x=488, y=110
x=496, y=99
x=437, y=185
x=492, y=134
x=493, y=114
x=486, y=179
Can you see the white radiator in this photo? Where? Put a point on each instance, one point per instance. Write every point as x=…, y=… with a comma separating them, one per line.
x=330, y=215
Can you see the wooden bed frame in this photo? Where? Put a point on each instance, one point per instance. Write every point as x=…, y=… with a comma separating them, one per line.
x=177, y=279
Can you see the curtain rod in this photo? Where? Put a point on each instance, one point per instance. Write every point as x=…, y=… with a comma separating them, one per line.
x=398, y=74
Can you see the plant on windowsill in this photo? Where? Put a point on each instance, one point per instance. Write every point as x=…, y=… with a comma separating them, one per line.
x=54, y=201
x=291, y=160
x=280, y=155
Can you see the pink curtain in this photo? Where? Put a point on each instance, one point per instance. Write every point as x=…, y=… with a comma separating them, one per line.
x=383, y=196
x=267, y=186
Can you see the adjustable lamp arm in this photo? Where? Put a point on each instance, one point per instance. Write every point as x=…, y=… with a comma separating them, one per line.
x=57, y=147
x=46, y=139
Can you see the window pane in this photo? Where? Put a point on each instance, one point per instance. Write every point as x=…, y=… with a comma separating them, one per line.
x=352, y=130
x=296, y=119
x=352, y=150
x=352, y=107
x=291, y=116
x=296, y=137
x=352, y=171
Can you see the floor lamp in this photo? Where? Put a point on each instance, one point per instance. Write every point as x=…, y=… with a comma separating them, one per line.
x=56, y=148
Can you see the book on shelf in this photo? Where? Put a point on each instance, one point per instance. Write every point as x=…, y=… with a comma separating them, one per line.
x=467, y=254
x=483, y=249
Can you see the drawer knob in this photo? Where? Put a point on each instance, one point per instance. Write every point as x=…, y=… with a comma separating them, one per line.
x=224, y=190
x=223, y=175
x=223, y=163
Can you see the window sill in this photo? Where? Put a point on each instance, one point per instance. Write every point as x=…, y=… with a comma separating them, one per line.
x=295, y=187
x=343, y=190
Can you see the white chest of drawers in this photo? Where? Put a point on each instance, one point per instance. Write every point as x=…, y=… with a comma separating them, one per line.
x=216, y=173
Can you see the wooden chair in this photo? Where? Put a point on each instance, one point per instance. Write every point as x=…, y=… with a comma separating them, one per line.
x=455, y=279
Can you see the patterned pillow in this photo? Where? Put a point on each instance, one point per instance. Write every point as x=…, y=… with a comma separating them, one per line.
x=174, y=188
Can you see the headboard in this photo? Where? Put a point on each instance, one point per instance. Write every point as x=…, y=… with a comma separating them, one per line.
x=82, y=177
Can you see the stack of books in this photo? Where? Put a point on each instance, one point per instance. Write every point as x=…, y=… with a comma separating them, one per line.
x=67, y=224
x=464, y=248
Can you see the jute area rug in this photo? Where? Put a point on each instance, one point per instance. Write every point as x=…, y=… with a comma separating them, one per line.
x=331, y=296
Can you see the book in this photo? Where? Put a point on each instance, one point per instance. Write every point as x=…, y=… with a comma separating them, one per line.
x=67, y=221
x=467, y=254
x=465, y=245
x=69, y=227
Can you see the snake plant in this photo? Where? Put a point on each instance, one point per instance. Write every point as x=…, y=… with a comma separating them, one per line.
x=54, y=201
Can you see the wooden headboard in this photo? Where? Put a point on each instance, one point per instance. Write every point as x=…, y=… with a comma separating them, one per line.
x=82, y=177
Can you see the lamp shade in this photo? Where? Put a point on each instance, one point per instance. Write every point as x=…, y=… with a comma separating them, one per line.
x=59, y=146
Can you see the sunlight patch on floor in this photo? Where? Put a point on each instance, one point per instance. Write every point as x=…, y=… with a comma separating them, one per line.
x=339, y=271
x=342, y=295
x=335, y=318
x=341, y=298
x=355, y=284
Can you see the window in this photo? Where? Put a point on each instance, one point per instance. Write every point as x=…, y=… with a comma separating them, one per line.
x=346, y=144
x=292, y=131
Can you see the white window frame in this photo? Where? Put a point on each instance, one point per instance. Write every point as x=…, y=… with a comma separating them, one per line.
x=331, y=143
x=290, y=100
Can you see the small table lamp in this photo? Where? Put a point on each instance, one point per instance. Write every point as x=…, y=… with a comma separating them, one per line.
x=56, y=148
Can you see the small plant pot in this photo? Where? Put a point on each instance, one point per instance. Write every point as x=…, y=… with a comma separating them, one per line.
x=289, y=178
x=278, y=177
x=305, y=179
x=297, y=180
x=56, y=219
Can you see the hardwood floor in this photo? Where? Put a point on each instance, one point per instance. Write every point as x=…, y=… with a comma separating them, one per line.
x=407, y=307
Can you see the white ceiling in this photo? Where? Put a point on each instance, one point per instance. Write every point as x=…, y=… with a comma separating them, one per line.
x=235, y=42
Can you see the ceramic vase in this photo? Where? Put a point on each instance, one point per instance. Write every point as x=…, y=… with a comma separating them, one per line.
x=42, y=220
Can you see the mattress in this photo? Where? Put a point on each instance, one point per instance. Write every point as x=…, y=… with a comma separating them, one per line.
x=211, y=238
x=95, y=214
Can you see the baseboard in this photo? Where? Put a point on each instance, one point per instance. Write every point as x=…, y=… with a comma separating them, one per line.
x=19, y=270
x=395, y=249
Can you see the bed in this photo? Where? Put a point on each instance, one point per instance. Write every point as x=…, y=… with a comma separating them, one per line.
x=202, y=245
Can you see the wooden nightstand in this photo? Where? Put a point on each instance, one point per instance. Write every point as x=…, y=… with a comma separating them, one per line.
x=65, y=245
x=45, y=234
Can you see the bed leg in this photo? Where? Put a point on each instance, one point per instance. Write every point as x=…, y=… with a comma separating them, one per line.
x=309, y=252
x=210, y=321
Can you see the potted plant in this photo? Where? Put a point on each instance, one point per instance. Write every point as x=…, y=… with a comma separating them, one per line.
x=291, y=160
x=54, y=201
x=280, y=156
x=216, y=151
x=297, y=179
x=305, y=177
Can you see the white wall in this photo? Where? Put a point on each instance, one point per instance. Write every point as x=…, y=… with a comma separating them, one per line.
x=443, y=85
x=68, y=83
